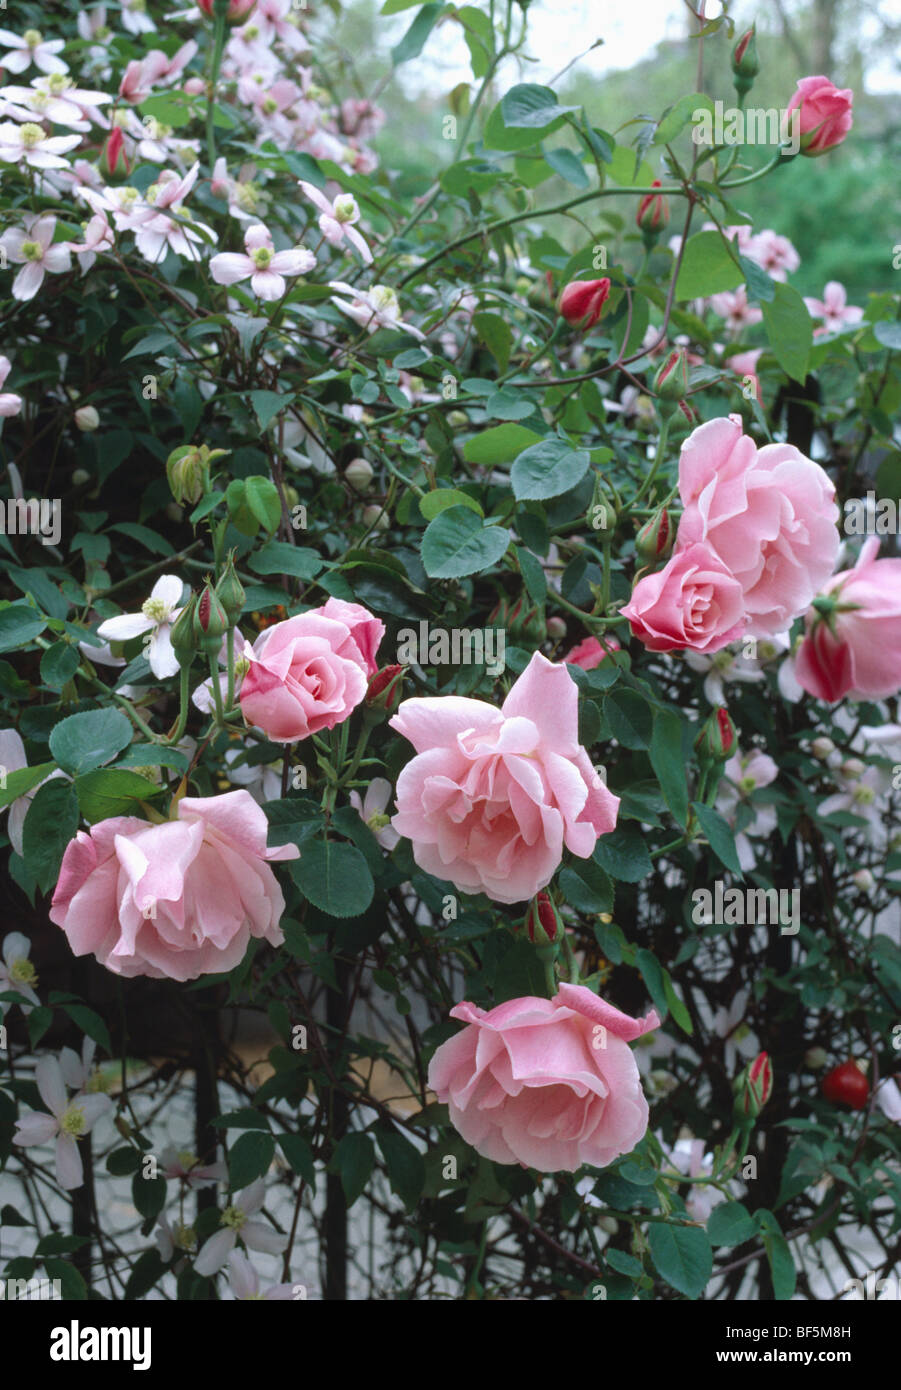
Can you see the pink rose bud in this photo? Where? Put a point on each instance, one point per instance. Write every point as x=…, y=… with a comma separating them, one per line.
x=825, y=117
x=384, y=689
x=238, y=10
x=543, y=925
x=745, y=62
x=113, y=165
x=582, y=302
x=653, y=212
x=210, y=622
x=753, y=1088
x=671, y=381
x=655, y=539
x=717, y=738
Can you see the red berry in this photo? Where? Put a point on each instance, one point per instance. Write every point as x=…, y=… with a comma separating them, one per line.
x=847, y=1085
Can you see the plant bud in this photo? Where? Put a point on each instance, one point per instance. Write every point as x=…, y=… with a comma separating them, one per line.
x=187, y=474
x=230, y=591
x=80, y=476
x=853, y=768
x=237, y=11
x=86, y=418
x=385, y=688
x=753, y=1088
x=652, y=215
x=671, y=381
x=582, y=302
x=717, y=739
x=815, y=1058
x=655, y=539
x=542, y=923
x=376, y=517
x=359, y=474
x=112, y=164
x=864, y=880
x=556, y=628
x=210, y=622
x=822, y=748
x=745, y=62
x=181, y=634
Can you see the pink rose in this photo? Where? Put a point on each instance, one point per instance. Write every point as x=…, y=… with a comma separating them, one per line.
x=825, y=114
x=856, y=650
x=769, y=514
x=494, y=794
x=548, y=1083
x=172, y=900
x=589, y=653
x=310, y=672
x=694, y=602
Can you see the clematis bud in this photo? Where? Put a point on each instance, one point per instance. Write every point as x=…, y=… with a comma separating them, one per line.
x=210, y=622
x=384, y=689
x=745, y=62
x=815, y=1058
x=542, y=924
x=556, y=628
x=188, y=471
x=582, y=301
x=717, y=739
x=86, y=418
x=655, y=539
x=652, y=215
x=864, y=880
x=375, y=517
x=822, y=748
x=181, y=634
x=230, y=591
x=359, y=474
x=753, y=1088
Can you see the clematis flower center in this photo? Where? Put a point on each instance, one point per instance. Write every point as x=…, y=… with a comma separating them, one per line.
x=31, y=135
x=383, y=298
x=247, y=196
x=378, y=820
x=270, y=105
x=33, y=37
x=58, y=83
x=261, y=257
x=233, y=1218
x=345, y=208
x=73, y=1122
x=154, y=608
x=22, y=972
x=864, y=796
x=32, y=250
x=183, y=1237
x=747, y=784
x=187, y=1159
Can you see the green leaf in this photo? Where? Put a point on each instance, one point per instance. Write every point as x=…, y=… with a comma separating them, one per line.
x=721, y=839
x=652, y=974
x=123, y=1161
x=166, y=108
x=148, y=1194
x=300, y=1156
x=569, y=166
x=112, y=792
x=413, y=41
x=761, y=287
x=500, y=444
x=334, y=877
x=624, y=854
x=682, y=1257
x=789, y=329
x=497, y=335
x=782, y=1264
x=84, y=741
x=456, y=543
x=587, y=887
x=530, y=107
x=280, y=557
x=629, y=717
x=90, y=1023
x=679, y=115
x=146, y=1271
x=249, y=1158
x=677, y=1006
x=19, y=625
x=16, y=784
x=730, y=1224
x=888, y=333
x=405, y=1165
x=50, y=824
x=533, y=576
x=261, y=496
x=668, y=763
x=431, y=504
x=59, y=664
x=548, y=469
x=72, y=1286
x=354, y=1160
x=708, y=267
x=266, y=405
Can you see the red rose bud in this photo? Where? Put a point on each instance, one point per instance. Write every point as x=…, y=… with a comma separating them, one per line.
x=210, y=622
x=655, y=539
x=113, y=165
x=238, y=10
x=582, y=302
x=653, y=213
x=542, y=924
x=847, y=1085
x=753, y=1088
x=384, y=690
x=745, y=62
x=717, y=739
x=671, y=381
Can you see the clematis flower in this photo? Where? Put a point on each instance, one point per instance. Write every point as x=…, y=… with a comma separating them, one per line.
x=262, y=264
x=203, y=695
x=373, y=809
x=374, y=308
x=67, y=1122
x=833, y=309
x=733, y=306
x=184, y=1165
x=336, y=221
x=237, y=1221
x=54, y=98
x=30, y=144
x=773, y=253
x=157, y=615
x=12, y=759
x=31, y=247
x=10, y=404
x=98, y=236
x=79, y=1071
x=742, y=775
x=135, y=17
x=245, y=1282
x=17, y=972
x=31, y=48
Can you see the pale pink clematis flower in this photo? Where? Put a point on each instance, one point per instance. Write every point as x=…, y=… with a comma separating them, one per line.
x=888, y=1098
x=245, y=1282
x=30, y=144
x=337, y=218
x=155, y=232
x=373, y=810
x=272, y=19
x=742, y=775
x=12, y=759
x=31, y=247
x=265, y=267
x=733, y=306
x=31, y=48
x=184, y=1165
x=54, y=98
x=10, y=404
x=79, y=1071
x=17, y=972
x=67, y=1122
x=237, y=1221
x=374, y=308
x=135, y=17
x=773, y=253
x=833, y=309
x=98, y=236
x=157, y=615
